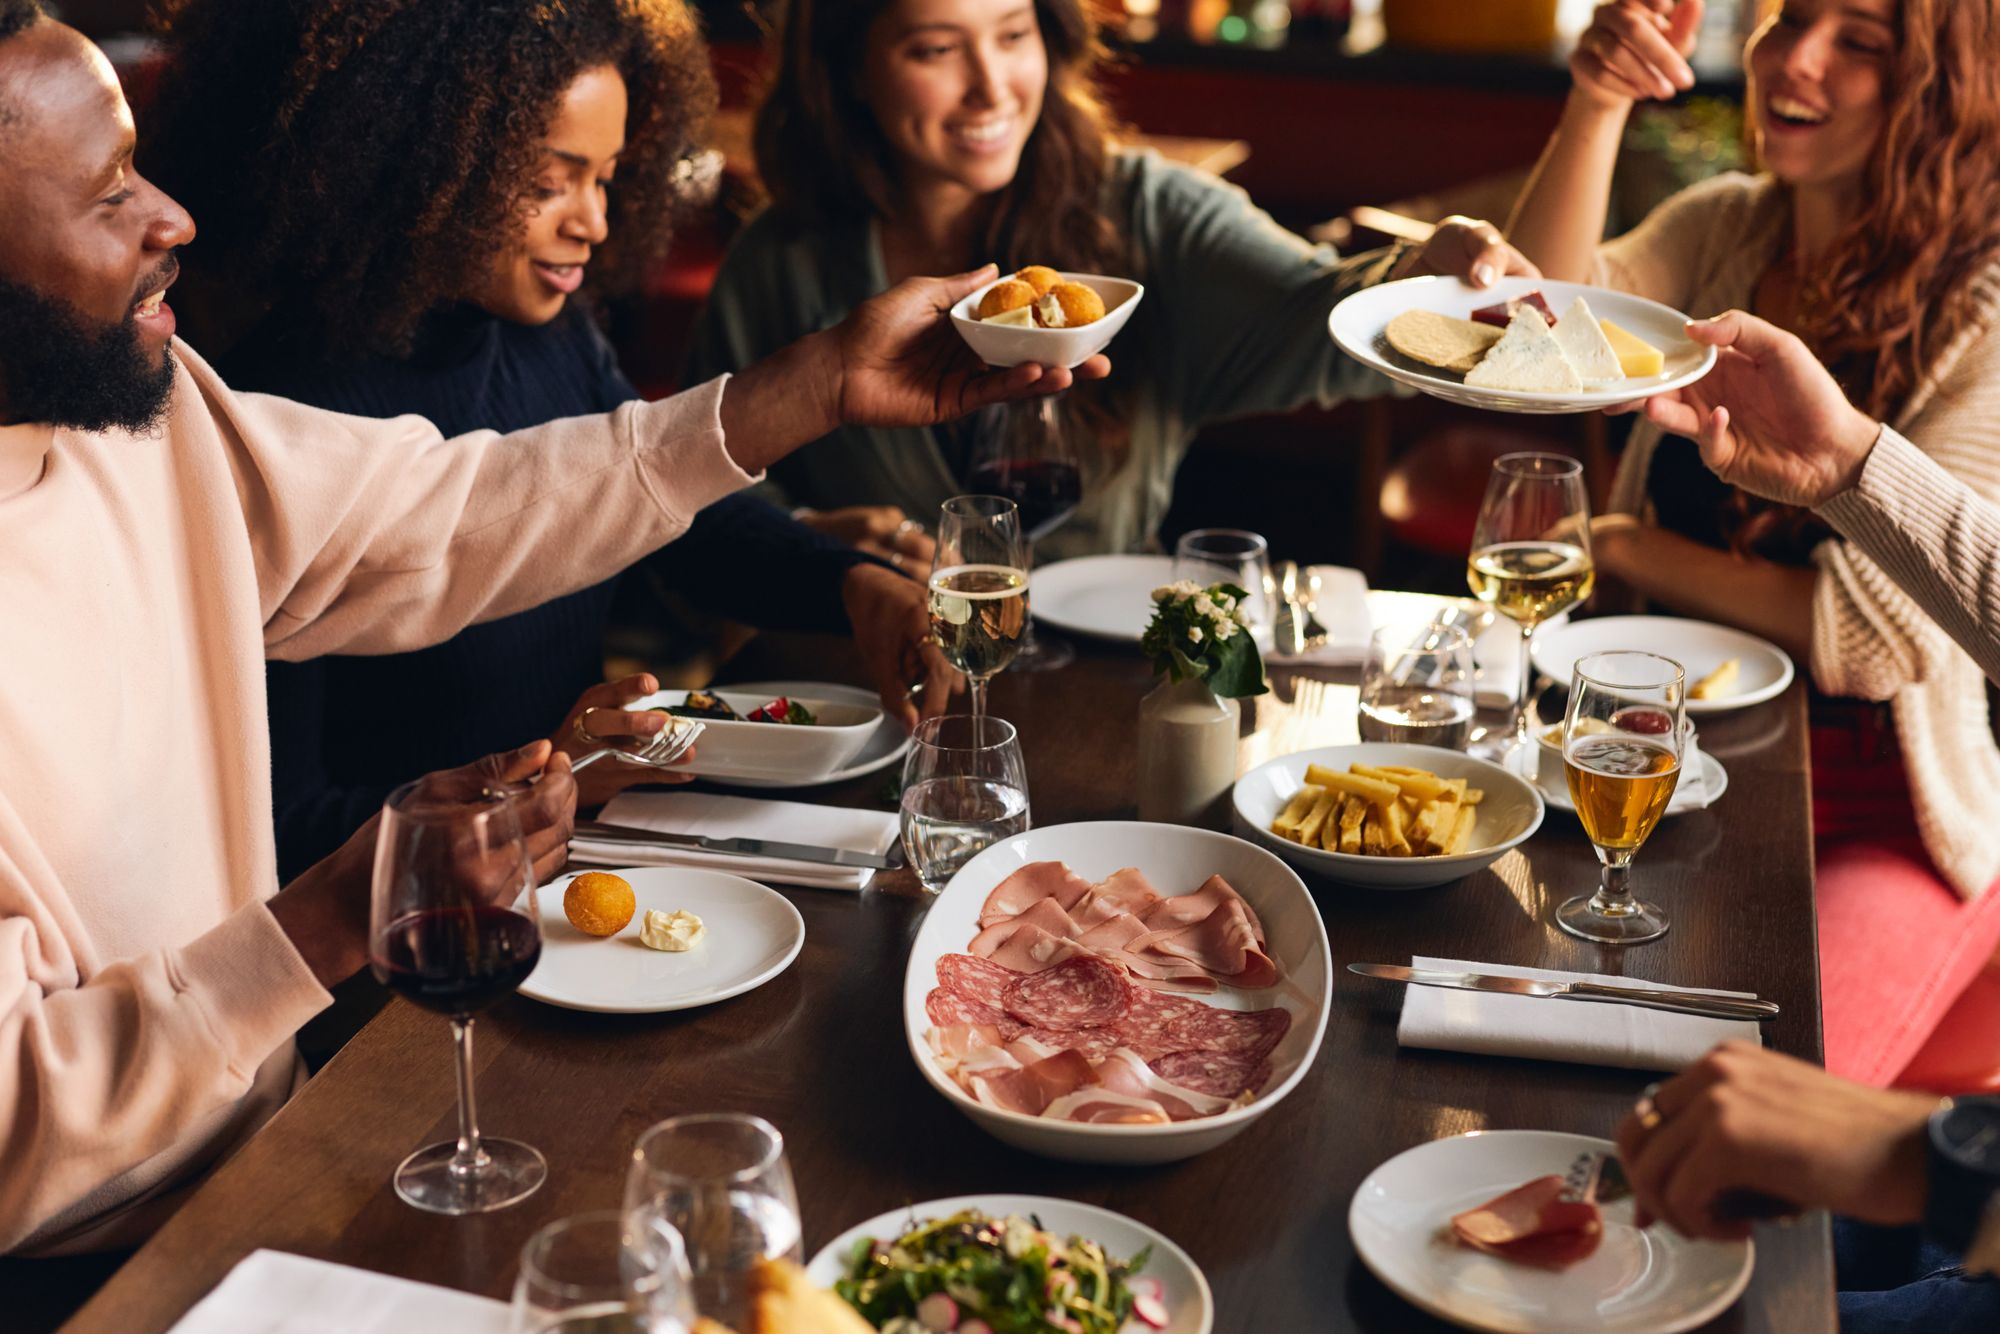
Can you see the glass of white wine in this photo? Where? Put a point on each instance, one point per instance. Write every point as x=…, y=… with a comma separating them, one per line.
x=1622, y=747
x=1531, y=554
x=979, y=588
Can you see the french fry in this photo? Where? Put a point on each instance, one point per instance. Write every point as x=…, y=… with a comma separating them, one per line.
x=1371, y=834
x=1353, y=810
x=1308, y=828
x=1433, y=824
x=1473, y=796
x=1375, y=790
x=1461, y=832
x=1388, y=810
x=1300, y=806
x=1425, y=787
x=1395, y=830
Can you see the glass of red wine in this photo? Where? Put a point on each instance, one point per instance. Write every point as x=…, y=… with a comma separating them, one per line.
x=1031, y=460
x=453, y=928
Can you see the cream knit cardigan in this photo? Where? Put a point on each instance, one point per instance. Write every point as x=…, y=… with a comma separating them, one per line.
x=1702, y=251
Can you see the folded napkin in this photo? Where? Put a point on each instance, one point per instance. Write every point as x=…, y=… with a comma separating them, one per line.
x=270, y=1292
x=720, y=816
x=1549, y=1029
x=1341, y=605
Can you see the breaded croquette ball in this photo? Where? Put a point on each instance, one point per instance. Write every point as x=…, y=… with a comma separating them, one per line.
x=1005, y=295
x=1078, y=304
x=1040, y=277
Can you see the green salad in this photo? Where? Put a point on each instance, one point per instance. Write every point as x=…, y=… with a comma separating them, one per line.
x=973, y=1274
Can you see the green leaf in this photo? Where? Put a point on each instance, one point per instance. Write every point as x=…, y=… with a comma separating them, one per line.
x=1239, y=670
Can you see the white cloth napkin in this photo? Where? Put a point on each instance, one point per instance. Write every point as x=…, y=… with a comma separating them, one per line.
x=1341, y=605
x=720, y=816
x=1549, y=1029
x=270, y=1292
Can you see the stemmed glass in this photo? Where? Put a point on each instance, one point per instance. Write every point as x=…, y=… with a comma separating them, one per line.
x=1531, y=555
x=1032, y=461
x=721, y=1180
x=604, y=1272
x=1209, y=556
x=1622, y=747
x=453, y=927
x=979, y=588
x=965, y=787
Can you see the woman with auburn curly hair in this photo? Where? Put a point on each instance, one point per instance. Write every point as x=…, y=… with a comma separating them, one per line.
x=402, y=200
x=900, y=134
x=1873, y=234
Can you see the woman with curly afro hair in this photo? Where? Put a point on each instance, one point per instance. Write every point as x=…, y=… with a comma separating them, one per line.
x=400, y=200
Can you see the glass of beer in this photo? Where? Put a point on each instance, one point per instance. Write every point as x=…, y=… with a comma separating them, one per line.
x=979, y=588
x=1622, y=746
x=1530, y=557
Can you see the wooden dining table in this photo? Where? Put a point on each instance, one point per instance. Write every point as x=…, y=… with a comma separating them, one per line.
x=821, y=1050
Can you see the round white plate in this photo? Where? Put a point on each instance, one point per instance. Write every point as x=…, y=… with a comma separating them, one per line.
x=1653, y=1281
x=1360, y=325
x=886, y=746
x=1763, y=670
x=753, y=935
x=1101, y=597
x=1554, y=787
x=1190, y=1307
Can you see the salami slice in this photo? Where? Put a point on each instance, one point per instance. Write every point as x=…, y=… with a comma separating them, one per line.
x=947, y=1008
x=1092, y=1043
x=1082, y=992
x=1250, y=1034
x=1218, y=1074
x=974, y=978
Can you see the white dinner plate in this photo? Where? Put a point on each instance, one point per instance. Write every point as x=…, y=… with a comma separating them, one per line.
x=752, y=935
x=1360, y=325
x=1190, y=1306
x=1763, y=669
x=1650, y=1281
x=1100, y=597
x=886, y=746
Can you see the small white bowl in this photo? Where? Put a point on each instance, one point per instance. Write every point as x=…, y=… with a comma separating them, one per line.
x=1511, y=811
x=782, y=751
x=1004, y=345
x=1177, y=861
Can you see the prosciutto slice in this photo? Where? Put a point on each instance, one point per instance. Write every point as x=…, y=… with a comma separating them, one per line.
x=1533, y=1224
x=1031, y=1088
x=1123, y=1072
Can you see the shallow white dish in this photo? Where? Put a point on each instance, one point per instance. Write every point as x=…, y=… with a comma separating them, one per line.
x=1653, y=1281
x=1190, y=1305
x=1176, y=860
x=752, y=935
x=1511, y=811
x=885, y=746
x=1700, y=647
x=1099, y=597
x=1360, y=325
x=1554, y=783
x=783, y=753
x=1004, y=345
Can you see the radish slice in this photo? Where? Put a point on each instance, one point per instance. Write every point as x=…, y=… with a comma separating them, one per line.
x=1148, y=1286
x=1151, y=1310
x=937, y=1313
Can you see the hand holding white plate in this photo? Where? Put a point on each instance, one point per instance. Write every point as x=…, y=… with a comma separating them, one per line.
x=1007, y=345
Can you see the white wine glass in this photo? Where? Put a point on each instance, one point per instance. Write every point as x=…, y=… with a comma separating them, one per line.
x=1530, y=558
x=604, y=1272
x=1623, y=741
x=965, y=787
x=979, y=588
x=1030, y=458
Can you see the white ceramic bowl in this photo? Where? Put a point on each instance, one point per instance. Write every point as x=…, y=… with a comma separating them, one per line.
x=1511, y=811
x=1002, y=345
x=1176, y=860
x=780, y=751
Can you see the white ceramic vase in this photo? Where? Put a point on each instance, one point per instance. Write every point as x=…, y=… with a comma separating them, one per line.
x=1187, y=754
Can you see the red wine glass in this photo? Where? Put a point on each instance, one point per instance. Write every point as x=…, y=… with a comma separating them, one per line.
x=1031, y=460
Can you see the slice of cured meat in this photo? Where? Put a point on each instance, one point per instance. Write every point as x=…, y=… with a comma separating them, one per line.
x=1093, y=1043
x=1215, y=893
x=948, y=1008
x=1033, y=1087
x=1218, y=1074
x=1105, y=1106
x=976, y=979
x=1145, y=1026
x=1083, y=992
x=1533, y=1224
x=1123, y=1072
x=1023, y=947
x=1029, y=885
x=1251, y=1034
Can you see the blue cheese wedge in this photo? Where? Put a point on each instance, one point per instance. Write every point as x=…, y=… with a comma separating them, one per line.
x=1586, y=347
x=1526, y=359
x=675, y=932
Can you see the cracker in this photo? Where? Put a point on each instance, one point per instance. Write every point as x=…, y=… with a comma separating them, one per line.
x=1441, y=341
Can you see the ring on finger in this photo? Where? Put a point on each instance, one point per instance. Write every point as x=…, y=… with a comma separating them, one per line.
x=1647, y=1110
x=905, y=528
x=581, y=732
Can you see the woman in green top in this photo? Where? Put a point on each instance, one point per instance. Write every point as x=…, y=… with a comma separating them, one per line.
x=917, y=136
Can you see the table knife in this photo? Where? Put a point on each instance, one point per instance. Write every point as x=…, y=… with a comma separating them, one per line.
x=1679, y=1002
x=596, y=831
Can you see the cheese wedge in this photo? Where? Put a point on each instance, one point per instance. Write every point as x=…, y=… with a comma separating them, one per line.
x=1577, y=334
x=1638, y=357
x=1020, y=317
x=1527, y=359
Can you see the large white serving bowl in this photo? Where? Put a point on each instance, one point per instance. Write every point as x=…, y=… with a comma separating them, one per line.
x=1176, y=860
x=1007, y=345
x=782, y=752
x=1511, y=811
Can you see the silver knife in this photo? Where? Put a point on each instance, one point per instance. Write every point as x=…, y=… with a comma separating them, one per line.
x=599, y=832
x=1679, y=1002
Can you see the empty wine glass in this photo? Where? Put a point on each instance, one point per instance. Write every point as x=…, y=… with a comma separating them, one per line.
x=1029, y=458
x=965, y=787
x=979, y=588
x=721, y=1180
x=1417, y=686
x=1209, y=556
x=604, y=1272
x=453, y=927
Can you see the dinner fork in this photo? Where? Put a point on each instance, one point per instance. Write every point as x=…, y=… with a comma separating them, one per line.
x=670, y=744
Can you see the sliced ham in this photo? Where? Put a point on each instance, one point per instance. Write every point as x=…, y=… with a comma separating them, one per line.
x=1032, y=1088
x=1534, y=1225
x=1024, y=947
x=1123, y=1072
x=1030, y=885
x=1112, y=934
x=1214, y=893
x=1124, y=891
x=1221, y=945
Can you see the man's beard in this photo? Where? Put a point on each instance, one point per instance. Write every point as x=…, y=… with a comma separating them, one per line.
x=61, y=367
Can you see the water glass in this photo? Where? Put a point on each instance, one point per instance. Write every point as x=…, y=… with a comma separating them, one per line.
x=604, y=1272
x=721, y=1179
x=965, y=787
x=1417, y=686
x=1209, y=556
